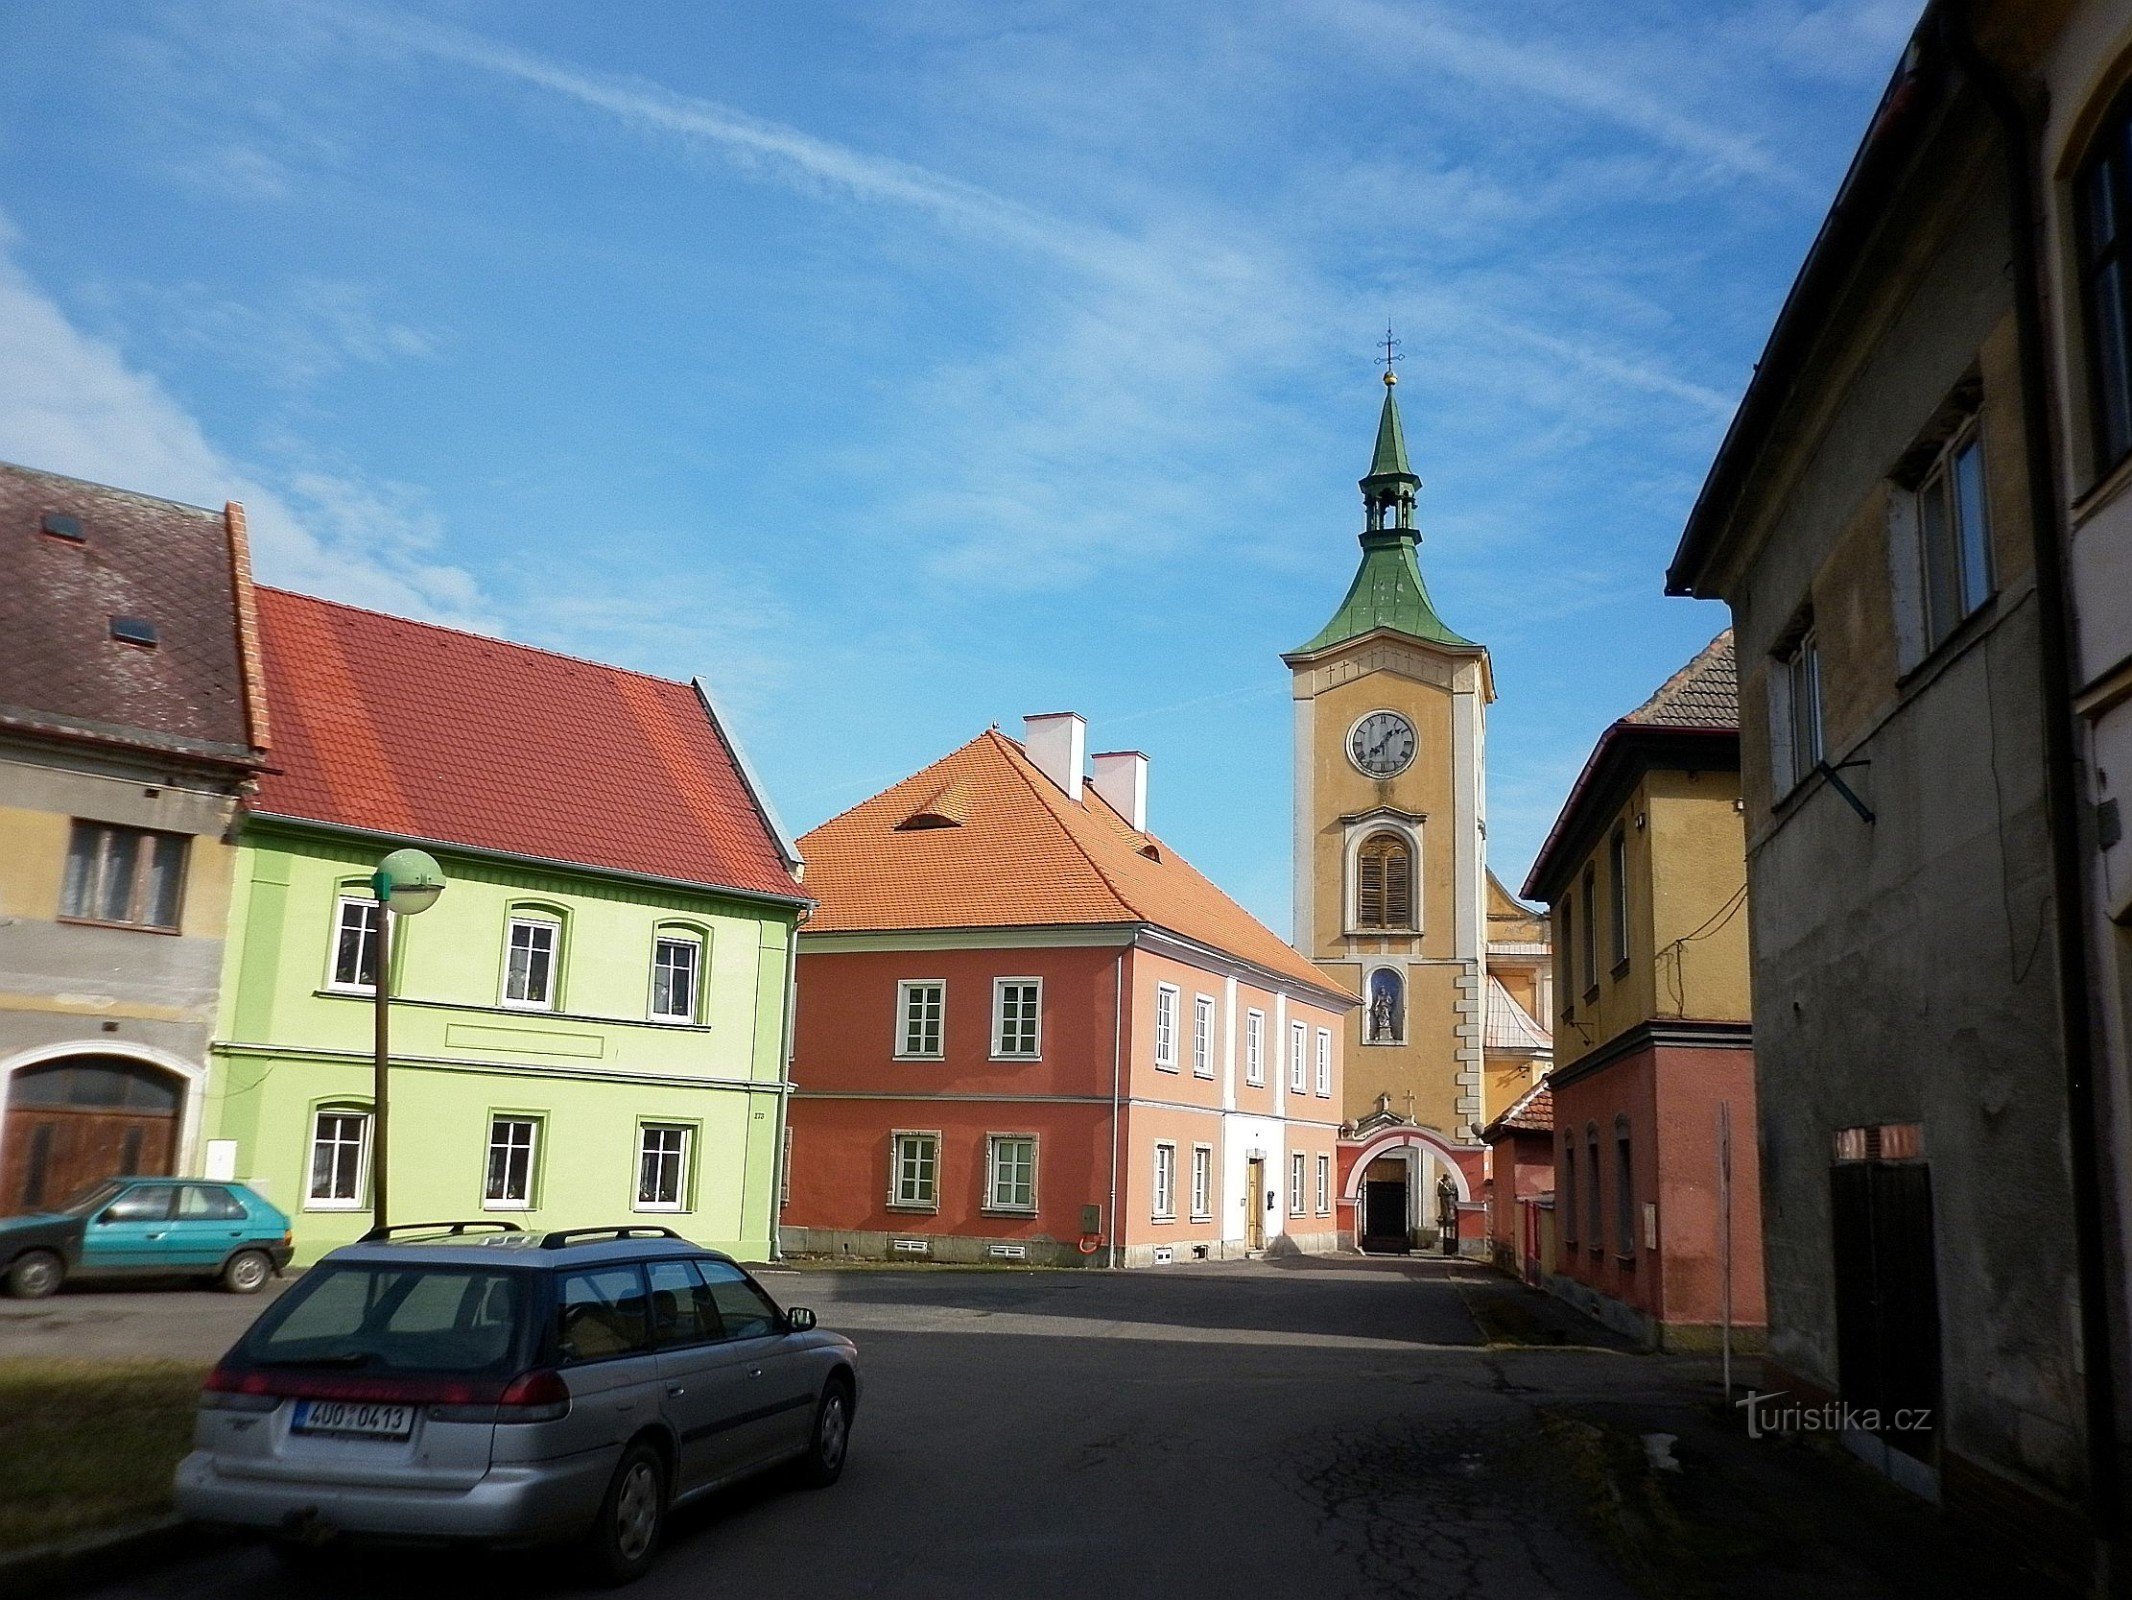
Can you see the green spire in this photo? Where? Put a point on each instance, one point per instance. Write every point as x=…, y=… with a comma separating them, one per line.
x=1388, y=591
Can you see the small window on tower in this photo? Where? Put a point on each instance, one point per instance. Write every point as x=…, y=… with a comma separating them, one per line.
x=1384, y=883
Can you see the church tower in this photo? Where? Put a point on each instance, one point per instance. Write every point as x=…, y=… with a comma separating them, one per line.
x=1391, y=878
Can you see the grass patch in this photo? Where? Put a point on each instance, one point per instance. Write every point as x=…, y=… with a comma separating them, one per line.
x=89, y=1445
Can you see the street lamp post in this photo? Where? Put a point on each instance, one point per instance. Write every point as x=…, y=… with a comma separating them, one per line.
x=406, y=882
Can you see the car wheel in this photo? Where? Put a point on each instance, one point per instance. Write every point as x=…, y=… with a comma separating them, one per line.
x=823, y=1463
x=35, y=1274
x=625, y=1538
x=246, y=1272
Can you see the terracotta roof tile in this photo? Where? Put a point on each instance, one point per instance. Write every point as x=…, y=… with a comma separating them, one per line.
x=172, y=565
x=1021, y=855
x=1532, y=1112
x=1703, y=694
x=408, y=729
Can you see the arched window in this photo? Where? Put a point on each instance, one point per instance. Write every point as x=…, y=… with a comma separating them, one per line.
x=1386, y=1019
x=1384, y=883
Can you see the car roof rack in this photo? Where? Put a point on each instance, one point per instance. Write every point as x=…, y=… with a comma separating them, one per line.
x=563, y=1238
x=451, y=1229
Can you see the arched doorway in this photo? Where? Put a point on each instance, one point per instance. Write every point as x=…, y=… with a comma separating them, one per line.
x=1391, y=1184
x=76, y=1119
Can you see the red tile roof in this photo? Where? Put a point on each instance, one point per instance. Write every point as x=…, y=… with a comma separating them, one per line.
x=425, y=733
x=982, y=839
x=1532, y=1112
x=180, y=569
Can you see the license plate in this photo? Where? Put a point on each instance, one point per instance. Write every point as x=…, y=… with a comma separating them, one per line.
x=354, y=1417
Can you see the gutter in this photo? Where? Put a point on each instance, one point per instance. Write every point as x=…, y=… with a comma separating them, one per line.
x=1117, y=1064
x=2062, y=804
x=784, y=1093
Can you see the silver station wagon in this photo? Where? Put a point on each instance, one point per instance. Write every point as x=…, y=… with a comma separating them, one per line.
x=469, y=1381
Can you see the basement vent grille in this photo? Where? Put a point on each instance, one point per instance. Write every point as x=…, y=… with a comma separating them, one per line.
x=911, y=1247
x=1164, y=1255
x=1008, y=1252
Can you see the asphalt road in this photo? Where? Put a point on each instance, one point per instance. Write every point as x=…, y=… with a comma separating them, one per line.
x=1322, y=1428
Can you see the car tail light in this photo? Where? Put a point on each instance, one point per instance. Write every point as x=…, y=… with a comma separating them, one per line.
x=224, y=1391
x=536, y=1396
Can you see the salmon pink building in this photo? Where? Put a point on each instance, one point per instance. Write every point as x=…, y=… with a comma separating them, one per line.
x=1028, y=1030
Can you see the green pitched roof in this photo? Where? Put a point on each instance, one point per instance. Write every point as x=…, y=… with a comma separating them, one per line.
x=1387, y=593
x=1389, y=459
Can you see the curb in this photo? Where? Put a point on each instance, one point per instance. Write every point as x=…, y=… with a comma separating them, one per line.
x=55, y=1569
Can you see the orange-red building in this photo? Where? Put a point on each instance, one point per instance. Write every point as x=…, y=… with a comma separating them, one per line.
x=1029, y=1030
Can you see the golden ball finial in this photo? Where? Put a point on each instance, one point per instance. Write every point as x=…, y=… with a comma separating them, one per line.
x=1390, y=377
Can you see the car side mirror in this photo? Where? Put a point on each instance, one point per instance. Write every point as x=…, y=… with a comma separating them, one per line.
x=799, y=1319
x=102, y=1217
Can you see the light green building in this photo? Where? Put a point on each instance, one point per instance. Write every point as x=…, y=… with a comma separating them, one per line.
x=588, y=1027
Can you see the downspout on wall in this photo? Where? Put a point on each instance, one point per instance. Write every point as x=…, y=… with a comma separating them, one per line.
x=784, y=1091
x=2061, y=767
x=1117, y=1066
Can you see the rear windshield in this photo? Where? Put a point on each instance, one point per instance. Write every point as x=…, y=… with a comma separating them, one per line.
x=396, y=1319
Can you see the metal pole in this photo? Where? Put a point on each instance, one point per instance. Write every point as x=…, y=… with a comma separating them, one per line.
x=382, y=990
x=1724, y=1201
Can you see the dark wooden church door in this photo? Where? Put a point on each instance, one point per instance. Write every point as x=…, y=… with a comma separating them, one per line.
x=79, y=1120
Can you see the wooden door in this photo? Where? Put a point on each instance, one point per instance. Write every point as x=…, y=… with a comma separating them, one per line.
x=75, y=1122
x=1255, y=1203
x=1887, y=1300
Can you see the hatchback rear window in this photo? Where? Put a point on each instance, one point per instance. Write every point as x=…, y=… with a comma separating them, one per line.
x=396, y=1319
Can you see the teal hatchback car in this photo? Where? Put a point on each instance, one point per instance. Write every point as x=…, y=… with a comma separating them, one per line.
x=147, y=1228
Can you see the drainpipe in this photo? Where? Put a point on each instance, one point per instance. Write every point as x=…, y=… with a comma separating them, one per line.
x=1117, y=1063
x=784, y=1093
x=2061, y=764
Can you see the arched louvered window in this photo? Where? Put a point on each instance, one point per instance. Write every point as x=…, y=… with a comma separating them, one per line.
x=1384, y=883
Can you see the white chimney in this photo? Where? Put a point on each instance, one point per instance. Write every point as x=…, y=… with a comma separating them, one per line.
x=1057, y=743
x=1121, y=779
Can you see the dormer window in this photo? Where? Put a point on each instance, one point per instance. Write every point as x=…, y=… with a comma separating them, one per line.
x=63, y=525
x=138, y=631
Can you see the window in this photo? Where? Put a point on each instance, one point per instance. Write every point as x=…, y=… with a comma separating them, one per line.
x=682, y=1310
x=1384, y=882
x=1385, y=1020
x=1954, y=536
x=1593, y=1232
x=146, y=1202
x=1617, y=895
x=1298, y=1067
x=1202, y=1036
x=2102, y=193
x=529, y=962
x=1624, y=1190
x=355, y=943
x=600, y=1314
x=510, y=1178
x=1166, y=1027
x=914, y=1171
x=123, y=875
x=1165, y=1183
x=1566, y=1201
x=1295, y=1184
x=340, y=1155
x=203, y=1203
x=1325, y=1063
x=1325, y=1186
x=1796, y=714
x=1567, y=944
x=662, y=1166
x=744, y=1311
x=1017, y=1007
x=390, y=1318
x=1202, y=1182
x=921, y=1003
x=1011, y=1182
x=1254, y=1048
x=676, y=959
x=1591, y=931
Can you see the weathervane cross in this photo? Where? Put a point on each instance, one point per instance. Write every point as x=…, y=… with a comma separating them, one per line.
x=1391, y=348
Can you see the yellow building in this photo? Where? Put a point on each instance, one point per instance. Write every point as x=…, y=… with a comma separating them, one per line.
x=1393, y=897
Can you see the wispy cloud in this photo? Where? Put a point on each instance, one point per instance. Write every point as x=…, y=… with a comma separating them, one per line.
x=294, y=337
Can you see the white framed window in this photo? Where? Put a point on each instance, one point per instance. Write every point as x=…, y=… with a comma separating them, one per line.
x=1017, y=1018
x=531, y=946
x=509, y=1184
x=1166, y=996
x=662, y=1165
x=340, y=1160
x=1165, y=1209
x=921, y=1011
x=1202, y=1036
x=1325, y=1186
x=676, y=976
x=1255, y=1048
x=1295, y=1184
x=1298, y=1062
x=1954, y=536
x=1795, y=714
x=1325, y=1063
x=1010, y=1172
x=1202, y=1182
x=355, y=943
x=914, y=1171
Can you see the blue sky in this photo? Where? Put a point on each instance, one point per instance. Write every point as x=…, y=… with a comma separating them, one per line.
x=903, y=368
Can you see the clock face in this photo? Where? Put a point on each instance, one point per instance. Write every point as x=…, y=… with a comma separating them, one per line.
x=1382, y=744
